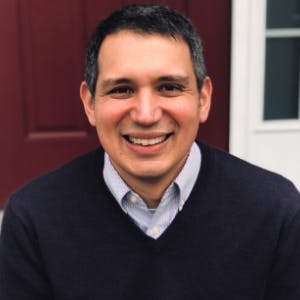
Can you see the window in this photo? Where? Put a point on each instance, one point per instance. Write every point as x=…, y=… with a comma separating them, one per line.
x=265, y=96
x=282, y=61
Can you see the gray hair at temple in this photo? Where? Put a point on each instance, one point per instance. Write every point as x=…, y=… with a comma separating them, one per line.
x=145, y=19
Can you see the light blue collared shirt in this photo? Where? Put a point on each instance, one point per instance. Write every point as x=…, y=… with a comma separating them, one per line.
x=154, y=222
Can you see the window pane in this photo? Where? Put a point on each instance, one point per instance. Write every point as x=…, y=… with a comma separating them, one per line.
x=283, y=14
x=282, y=78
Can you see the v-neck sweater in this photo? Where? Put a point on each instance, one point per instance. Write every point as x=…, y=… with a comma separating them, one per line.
x=238, y=237
x=155, y=221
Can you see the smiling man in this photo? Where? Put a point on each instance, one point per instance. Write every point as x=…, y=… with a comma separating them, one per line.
x=146, y=108
x=152, y=214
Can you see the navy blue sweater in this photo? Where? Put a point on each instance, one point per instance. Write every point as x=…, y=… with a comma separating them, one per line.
x=238, y=237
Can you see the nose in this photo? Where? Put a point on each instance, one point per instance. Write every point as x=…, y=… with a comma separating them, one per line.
x=146, y=110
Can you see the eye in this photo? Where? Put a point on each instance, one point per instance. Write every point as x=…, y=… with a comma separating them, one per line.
x=171, y=89
x=121, y=92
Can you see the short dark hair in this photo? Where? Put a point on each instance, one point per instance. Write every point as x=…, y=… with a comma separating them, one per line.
x=145, y=19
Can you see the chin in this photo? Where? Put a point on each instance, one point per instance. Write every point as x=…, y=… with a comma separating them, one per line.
x=147, y=172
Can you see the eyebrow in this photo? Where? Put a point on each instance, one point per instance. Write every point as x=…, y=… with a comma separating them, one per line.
x=174, y=78
x=166, y=78
x=111, y=82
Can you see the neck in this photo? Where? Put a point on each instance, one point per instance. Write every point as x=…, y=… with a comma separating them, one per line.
x=150, y=189
x=150, y=192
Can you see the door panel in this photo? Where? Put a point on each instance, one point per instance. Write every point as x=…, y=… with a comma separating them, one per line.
x=180, y=5
x=42, y=123
x=51, y=68
x=213, y=20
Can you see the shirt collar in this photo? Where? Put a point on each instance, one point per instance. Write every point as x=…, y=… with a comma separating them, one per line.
x=113, y=180
x=185, y=180
x=187, y=177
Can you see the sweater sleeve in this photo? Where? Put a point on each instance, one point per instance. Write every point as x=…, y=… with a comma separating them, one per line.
x=284, y=279
x=21, y=270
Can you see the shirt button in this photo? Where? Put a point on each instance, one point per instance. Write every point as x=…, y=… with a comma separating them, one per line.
x=155, y=230
x=133, y=199
x=181, y=203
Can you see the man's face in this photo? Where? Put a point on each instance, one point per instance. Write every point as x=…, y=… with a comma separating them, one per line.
x=147, y=108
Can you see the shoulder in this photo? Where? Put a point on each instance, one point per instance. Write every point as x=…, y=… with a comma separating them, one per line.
x=243, y=173
x=68, y=181
x=238, y=179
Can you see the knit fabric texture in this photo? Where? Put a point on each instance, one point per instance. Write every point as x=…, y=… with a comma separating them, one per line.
x=238, y=237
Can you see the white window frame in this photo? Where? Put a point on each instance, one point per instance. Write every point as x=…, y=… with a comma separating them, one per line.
x=247, y=75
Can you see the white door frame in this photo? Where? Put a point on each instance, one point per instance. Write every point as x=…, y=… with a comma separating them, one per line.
x=247, y=93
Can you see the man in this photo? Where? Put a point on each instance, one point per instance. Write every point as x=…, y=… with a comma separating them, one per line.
x=154, y=215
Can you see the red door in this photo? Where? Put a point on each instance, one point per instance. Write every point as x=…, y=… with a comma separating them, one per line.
x=42, y=123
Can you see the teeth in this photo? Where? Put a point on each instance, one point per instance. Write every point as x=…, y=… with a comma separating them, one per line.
x=147, y=142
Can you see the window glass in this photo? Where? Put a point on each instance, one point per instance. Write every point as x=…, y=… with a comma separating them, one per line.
x=282, y=60
x=282, y=78
x=283, y=13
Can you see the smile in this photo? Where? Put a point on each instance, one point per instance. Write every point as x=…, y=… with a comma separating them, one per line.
x=147, y=142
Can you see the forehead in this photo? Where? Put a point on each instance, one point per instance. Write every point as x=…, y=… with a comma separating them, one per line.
x=128, y=51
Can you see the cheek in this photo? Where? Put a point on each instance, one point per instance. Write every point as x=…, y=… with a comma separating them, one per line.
x=187, y=115
x=109, y=115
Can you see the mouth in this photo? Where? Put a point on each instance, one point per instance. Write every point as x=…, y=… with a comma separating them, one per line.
x=147, y=142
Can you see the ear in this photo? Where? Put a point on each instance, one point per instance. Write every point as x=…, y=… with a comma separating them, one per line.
x=88, y=103
x=205, y=100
